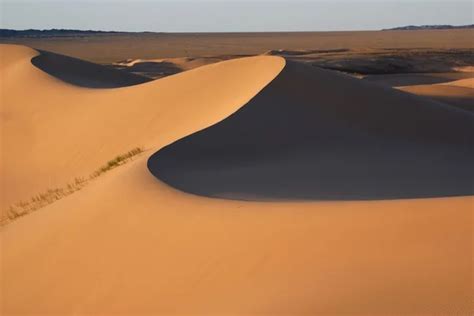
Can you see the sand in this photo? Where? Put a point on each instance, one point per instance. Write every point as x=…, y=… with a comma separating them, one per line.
x=413, y=79
x=459, y=93
x=299, y=138
x=70, y=130
x=129, y=244
x=159, y=68
x=464, y=83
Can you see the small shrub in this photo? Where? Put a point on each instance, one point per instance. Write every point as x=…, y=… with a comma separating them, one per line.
x=44, y=198
x=54, y=194
x=117, y=161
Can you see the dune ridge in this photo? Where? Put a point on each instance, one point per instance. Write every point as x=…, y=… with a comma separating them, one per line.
x=130, y=244
x=158, y=68
x=64, y=124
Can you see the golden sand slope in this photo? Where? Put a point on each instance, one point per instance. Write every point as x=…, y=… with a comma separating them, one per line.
x=55, y=131
x=465, y=83
x=459, y=93
x=183, y=63
x=158, y=68
x=128, y=244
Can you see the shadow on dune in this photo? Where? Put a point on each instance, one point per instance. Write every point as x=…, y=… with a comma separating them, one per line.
x=318, y=135
x=84, y=74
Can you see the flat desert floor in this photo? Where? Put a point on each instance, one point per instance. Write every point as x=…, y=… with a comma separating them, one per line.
x=238, y=174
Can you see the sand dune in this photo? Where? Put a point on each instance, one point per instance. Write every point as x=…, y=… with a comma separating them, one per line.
x=57, y=131
x=464, y=83
x=459, y=93
x=129, y=244
x=158, y=68
x=300, y=138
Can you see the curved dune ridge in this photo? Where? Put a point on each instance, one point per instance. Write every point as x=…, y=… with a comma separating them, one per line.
x=131, y=245
x=315, y=134
x=157, y=68
x=57, y=131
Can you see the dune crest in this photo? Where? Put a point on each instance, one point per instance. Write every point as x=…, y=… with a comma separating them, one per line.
x=58, y=131
x=158, y=68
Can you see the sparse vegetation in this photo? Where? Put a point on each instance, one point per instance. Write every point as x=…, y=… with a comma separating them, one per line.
x=52, y=195
x=47, y=197
x=117, y=161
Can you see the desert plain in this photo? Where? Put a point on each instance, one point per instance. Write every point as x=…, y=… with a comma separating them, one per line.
x=324, y=173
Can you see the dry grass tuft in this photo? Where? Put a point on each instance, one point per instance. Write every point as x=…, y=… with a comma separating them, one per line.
x=52, y=195
x=117, y=161
x=47, y=197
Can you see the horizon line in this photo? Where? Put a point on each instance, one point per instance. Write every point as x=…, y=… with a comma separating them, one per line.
x=395, y=28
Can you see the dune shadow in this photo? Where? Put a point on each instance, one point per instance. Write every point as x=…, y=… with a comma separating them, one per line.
x=83, y=73
x=313, y=134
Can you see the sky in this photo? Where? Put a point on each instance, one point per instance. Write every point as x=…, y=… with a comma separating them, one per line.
x=231, y=15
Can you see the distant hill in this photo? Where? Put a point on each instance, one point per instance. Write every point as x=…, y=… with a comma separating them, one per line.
x=52, y=33
x=429, y=27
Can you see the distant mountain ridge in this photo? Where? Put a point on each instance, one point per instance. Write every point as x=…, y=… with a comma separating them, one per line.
x=429, y=27
x=52, y=33
x=35, y=33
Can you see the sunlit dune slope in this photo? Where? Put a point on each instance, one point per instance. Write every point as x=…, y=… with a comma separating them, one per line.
x=157, y=68
x=128, y=244
x=54, y=131
x=465, y=83
x=316, y=134
x=459, y=93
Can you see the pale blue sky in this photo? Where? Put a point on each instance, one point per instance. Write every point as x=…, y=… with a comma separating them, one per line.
x=231, y=15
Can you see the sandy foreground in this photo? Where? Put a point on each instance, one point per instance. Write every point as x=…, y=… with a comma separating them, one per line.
x=129, y=244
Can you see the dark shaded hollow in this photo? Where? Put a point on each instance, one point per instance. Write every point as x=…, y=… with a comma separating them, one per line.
x=313, y=134
x=83, y=73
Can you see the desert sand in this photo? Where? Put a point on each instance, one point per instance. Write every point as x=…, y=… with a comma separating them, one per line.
x=459, y=93
x=131, y=243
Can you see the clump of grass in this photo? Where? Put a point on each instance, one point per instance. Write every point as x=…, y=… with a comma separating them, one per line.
x=117, y=161
x=42, y=199
x=52, y=195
